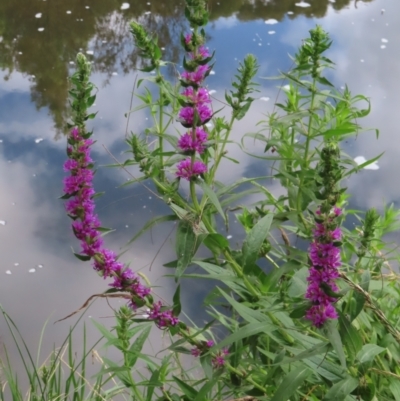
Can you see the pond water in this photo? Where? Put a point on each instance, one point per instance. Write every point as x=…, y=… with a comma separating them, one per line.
x=39, y=276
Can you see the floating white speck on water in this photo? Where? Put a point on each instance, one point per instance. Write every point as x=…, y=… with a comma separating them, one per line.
x=260, y=44
x=8, y=272
x=87, y=7
x=271, y=21
x=383, y=46
x=384, y=40
x=40, y=266
x=125, y=6
x=373, y=19
x=362, y=60
x=361, y=159
x=264, y=98
x=212, y=91
x=1, y=141
x=32, y=270
x=271, y=32
x=127, y=226
x=72, y=62
x=147, y=12
x=302, y=4
x=229, y=236
x=382, y=10
x=212, y=72
x=2, y=223
x=290, y=13
x=89, y=52
x=114, y=73
x=40, y=29
x=150, y=197
x=38, y=15
x=144, y=207
x=68, y=12
x=38, y=140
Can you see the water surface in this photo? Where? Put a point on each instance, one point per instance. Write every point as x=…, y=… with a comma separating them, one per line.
x=39, y=276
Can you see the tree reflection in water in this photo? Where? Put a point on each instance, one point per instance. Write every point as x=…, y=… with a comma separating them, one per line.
x=45, y=56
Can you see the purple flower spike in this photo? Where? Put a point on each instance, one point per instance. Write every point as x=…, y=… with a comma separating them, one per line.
x=325, y=262
x=187, y=171
x=196, y=77
x=86, y=227
x=186, y=142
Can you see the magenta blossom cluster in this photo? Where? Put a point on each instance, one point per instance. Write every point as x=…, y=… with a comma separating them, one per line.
x=195, y=112
x=218, y=360
x=324, y=255
x=78, y=188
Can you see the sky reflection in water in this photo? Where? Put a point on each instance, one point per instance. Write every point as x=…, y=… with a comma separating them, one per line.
x=35, y=63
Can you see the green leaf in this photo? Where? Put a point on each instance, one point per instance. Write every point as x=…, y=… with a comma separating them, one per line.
x=152, y=222
x=368, y=352
x=90, y=101
x=394, y=387
x=340, y=390
x=212, y=196
x=290, y=384
x=249, y=314
x=176, y=309
x=248, y=330
x=84, y=258
x=104, y=331
x=350, y=337
x=185, y=246
x=153, y=383
x=207, y=387
x=361, y=166
x=189, y=391
x=243, y=110
x=320, y=348
x=136, y=347
x=333, y=335
x=359, y=299
x=298, y=283
x=254, y=241
x=216, y=243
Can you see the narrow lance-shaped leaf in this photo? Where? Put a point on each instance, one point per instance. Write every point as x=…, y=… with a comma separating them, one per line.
x=290, y=384
x=185, y=246
x=254, y=241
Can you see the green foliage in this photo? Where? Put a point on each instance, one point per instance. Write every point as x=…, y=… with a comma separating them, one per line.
x=258, y=343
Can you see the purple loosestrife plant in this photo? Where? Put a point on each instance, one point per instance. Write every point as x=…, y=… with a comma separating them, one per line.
x=80, y=206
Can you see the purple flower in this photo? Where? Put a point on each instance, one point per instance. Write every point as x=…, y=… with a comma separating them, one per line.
x=197, y=97
x=196, y=77
x=163, y=319
x=210, y=343
x=188, y=38
x=202, y=53
x=186, y=142
x=186, y=114
x=318, y=314
x=187, y=170
x=195, y=352
x=325, y=262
